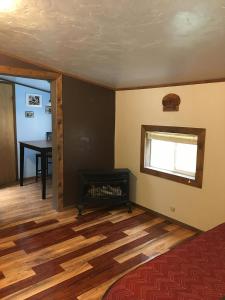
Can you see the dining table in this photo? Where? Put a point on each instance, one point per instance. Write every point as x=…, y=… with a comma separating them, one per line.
x=43, y=147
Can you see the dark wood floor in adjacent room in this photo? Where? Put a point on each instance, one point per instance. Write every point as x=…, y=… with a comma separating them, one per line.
x=50, y=255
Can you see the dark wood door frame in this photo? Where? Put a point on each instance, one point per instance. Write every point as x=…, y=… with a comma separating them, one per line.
x=57, y=124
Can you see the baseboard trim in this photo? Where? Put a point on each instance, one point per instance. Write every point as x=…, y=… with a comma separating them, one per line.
x=168, y=218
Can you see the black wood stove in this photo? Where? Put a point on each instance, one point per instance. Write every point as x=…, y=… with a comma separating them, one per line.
x=103, y=187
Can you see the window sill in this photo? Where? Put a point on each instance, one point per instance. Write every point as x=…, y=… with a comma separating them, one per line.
x=172, y=176
x=171, y=172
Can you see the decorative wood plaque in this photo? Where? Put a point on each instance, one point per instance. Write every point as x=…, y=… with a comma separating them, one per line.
x=171, y=102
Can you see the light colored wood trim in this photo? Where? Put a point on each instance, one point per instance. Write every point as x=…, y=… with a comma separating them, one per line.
x=28, y=73
x=57, y=116
x=57, y=119
x=15, y=127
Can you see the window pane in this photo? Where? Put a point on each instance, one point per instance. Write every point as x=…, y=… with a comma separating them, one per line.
x=175, y=153
x=162, y=154
x=186, y=158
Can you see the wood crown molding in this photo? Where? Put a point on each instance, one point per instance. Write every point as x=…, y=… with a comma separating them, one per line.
x=154, y=86
x=28, y=73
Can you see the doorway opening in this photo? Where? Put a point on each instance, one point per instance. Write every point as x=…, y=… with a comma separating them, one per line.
x=32, y=112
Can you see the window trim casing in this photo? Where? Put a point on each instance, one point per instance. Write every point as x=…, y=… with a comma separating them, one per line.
x=200, y=132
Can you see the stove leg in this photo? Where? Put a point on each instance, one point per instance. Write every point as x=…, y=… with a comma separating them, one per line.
x=129, y=206
x=80, y=208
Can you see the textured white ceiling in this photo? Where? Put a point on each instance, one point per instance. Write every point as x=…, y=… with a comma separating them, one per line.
x=120, y=42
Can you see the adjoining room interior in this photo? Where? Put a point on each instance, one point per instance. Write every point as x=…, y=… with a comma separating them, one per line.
x=114, y=178
x=26, y=108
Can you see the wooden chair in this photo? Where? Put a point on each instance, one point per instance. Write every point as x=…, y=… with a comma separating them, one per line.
x=48, y=158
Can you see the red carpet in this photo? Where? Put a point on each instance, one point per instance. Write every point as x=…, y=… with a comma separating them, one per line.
x=194, y=270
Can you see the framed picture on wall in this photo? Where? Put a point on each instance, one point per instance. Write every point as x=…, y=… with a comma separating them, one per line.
x=34, y=100
x=29, y=114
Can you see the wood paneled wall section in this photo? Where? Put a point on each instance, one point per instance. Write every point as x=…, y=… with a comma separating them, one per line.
x=89, y=123
x=8, y=173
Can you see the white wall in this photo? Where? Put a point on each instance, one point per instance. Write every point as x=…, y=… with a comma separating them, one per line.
x=201, y=106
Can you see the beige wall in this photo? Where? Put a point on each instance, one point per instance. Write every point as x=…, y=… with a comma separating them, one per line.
x=201, y=106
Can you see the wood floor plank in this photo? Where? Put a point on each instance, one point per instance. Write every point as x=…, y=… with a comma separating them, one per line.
x=36, y=231
x=138, y=242
x=144, y=226
x=15, y=230
x=111, y=218
x=100, y=251
x=46, y=254
x=7, y=245
x=18, y=203
x=6, y=251
x=76, y=286
x=34, y=261
x=97, y=292
x=159, y=245
x=10, y=276
x=80, y=252
x=45, y=215
x=107, y=228
x=49, y=282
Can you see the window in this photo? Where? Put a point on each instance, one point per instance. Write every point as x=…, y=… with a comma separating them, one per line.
x=175, y=153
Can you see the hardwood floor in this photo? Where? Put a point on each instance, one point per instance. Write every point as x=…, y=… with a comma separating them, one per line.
x=17, y=203
x=50, y=255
